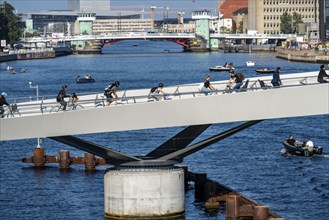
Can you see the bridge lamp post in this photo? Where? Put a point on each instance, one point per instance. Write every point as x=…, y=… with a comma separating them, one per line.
x=35, y=87
x=39, y=141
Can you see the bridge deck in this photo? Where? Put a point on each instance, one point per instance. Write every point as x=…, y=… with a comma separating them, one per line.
x=187, y=106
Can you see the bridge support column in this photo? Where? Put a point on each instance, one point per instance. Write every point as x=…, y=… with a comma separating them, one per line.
x=144, y=190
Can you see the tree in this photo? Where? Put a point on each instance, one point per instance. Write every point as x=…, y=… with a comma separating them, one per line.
x=240, y=28
x=296, y=19
x=11, y=28
x=286, y=23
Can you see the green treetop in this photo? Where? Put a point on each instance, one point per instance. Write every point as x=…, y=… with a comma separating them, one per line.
x=10, y=25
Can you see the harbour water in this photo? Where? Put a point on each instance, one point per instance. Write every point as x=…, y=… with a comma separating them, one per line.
x=249, y=162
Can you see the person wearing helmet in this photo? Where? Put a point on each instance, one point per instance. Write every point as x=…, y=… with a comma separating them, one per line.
x=111, y=93
x=3, y=102
x=156, y=91
x=61, y=95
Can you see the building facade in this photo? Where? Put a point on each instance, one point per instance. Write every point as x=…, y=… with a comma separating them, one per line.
x=121, y=25
x=264, y=15
x=50, y=22
x=89, y=5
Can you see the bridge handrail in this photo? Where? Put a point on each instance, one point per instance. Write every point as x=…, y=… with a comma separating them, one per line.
x=44, y=104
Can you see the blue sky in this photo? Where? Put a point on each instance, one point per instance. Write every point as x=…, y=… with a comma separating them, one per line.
x=23, y=6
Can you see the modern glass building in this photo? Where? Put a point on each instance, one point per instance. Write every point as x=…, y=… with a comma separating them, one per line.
x=89, y=5
x=49, y=22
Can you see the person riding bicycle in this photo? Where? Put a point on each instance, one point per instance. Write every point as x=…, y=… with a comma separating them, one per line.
x=111, y=93
x=3, y=101
x=61, y=95
x=74, y=99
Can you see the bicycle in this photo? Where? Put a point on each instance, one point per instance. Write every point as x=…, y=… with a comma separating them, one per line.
x=71, y=105
x=11, y=111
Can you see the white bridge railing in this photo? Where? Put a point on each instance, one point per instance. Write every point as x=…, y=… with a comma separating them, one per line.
x=47, y=105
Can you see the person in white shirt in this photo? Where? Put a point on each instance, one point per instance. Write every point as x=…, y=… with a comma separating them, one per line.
x=309, y=145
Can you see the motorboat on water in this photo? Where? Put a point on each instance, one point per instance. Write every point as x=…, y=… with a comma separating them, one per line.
x=265, y=70
x=221, y=68
x=299, y=149
x=85, y=79
x=250, y=63
x=10, y=68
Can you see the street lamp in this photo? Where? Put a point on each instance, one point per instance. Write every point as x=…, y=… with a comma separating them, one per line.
x=35, y=87
x=39, y=141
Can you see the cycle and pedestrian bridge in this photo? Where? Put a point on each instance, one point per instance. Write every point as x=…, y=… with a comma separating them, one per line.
x=187, y=106
x=150, y=186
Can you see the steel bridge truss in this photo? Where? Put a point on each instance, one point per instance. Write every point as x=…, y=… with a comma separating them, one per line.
x=174, y=149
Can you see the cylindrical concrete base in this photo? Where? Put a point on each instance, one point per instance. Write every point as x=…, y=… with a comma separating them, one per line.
x=144, y=192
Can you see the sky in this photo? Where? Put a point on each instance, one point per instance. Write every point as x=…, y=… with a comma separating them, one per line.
x=24, y=6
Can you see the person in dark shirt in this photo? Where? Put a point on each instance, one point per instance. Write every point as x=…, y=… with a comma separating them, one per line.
x=239, y=77
x=156, y=91
x=231, y=81
x=111, y=93
x=291, y=140
x=322, y=74
x=3, y=102
x=61, y=95
x=276, y=81
x=207, y=87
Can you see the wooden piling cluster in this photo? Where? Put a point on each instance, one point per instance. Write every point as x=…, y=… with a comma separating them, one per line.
x=215, y=195
x=39, y=159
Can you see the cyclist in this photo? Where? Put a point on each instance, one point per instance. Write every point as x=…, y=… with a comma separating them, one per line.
x=3, y=101
x=111, y=93
x=74, y=98
x=61, y=95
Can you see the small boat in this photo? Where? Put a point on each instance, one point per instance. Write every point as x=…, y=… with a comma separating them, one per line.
x=299, y=150
x=221, y=68
x=265, y=70
x=250, y=63
x=135, y=44
x=10, y=68
x=85, y=79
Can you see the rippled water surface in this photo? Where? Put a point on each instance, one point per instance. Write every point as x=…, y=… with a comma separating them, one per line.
x=249, y=162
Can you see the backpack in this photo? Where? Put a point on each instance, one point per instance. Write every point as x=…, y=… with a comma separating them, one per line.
x=59, y=97
x=240, y=76
x=154, y=89
x=108, y=90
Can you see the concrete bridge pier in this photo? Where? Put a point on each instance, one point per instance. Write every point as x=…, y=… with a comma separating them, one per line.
x=144, y=190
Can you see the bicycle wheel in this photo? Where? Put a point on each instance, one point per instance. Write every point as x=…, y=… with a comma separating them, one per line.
x=77, y=107
x=55, y=108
